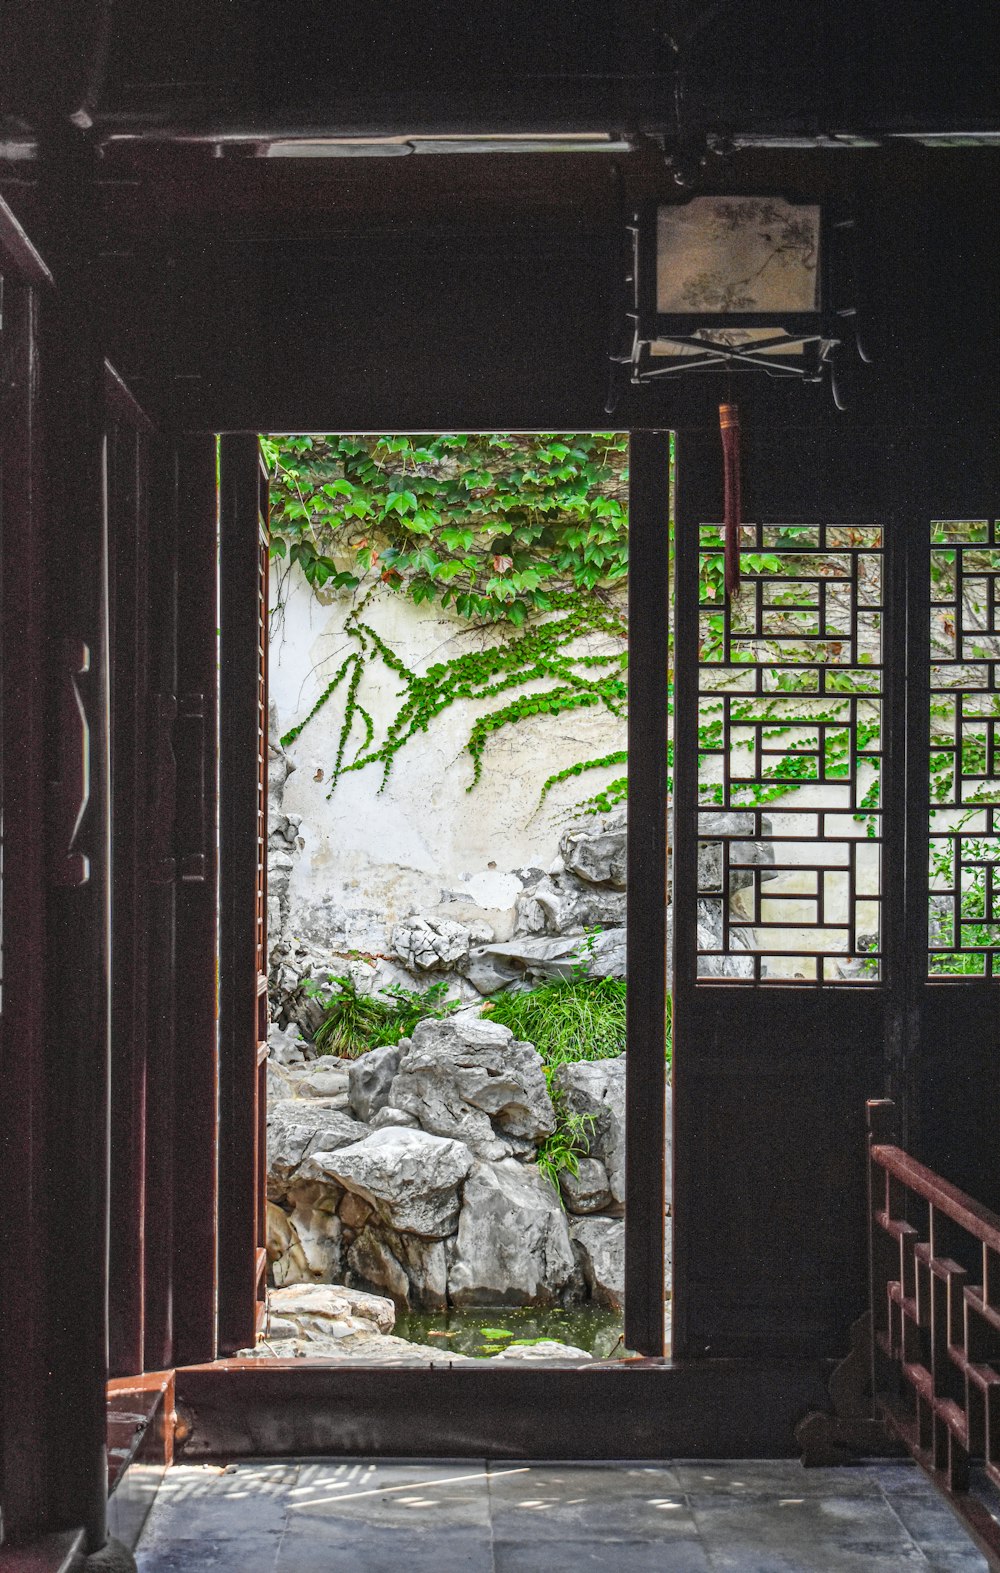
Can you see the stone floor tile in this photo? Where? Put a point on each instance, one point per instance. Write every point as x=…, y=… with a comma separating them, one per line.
x=576, y=1502
x=339, y=1546
x=251, y=1552
x=395, y=1494
x=804, y=1535
x=589, y=1556
x=774, y=1477
x=219, y=1503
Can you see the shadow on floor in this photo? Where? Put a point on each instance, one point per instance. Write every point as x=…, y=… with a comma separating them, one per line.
x=339, y=1516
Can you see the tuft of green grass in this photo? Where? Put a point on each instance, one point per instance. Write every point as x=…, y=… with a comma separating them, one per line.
x=575, y=1019
x=353, y=1022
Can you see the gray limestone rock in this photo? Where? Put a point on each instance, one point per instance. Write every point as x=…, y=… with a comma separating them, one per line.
x=430, y=944
x=391, y=1116
x=297, y=1127
x=472, y=1080
x=529, y=957
x=411, y=1178
x=360, y=1344
x=588, y=1190
x=568, y=905
x=601, y=1242
x=410, y=1270
x=376, y=1267
x=369, y=1079
x=325, y=1077
x=595, y=1089
x=314, y=1308
x=596, y=851
x=318, y=1231
x=513, y=1245
x=286, y=1045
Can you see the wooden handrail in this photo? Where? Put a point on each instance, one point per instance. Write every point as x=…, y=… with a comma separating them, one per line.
x=970, y=1215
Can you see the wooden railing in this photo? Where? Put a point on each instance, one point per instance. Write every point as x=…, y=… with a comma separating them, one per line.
x=935, y=1306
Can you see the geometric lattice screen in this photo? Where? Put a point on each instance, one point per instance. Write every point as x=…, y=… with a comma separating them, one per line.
x=964, y=916
x=790, y=756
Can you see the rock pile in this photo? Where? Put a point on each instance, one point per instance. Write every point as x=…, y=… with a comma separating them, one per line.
x=329, y=1322
x=410, y=1172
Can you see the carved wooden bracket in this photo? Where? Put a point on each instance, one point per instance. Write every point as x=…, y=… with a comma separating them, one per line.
x=68, y=865
x=848, y=1431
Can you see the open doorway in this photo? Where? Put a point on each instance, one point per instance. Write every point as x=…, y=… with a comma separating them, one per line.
x=446, y=895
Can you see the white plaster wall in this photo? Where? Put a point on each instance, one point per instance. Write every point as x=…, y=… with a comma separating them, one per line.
x=423, y=844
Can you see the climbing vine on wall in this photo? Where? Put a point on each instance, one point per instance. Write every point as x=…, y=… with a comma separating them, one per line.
x=524, y=537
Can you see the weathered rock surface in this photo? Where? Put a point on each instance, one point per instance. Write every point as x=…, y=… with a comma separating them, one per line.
x=528, y=958
x=369, y=1079
x=749, y=851
x=312, y=1310
x=287, y=1260
x=410, y=1177
x=565, y=904
x=286, y=1045
x=597, y=853
x=391, y=1116
x=513, y=1245
x=587, y=1191
x=436, y=944
x=334, y=1322
x=359, y=1343
x=297, y=1127
x=601, y=1242
x=318, y=1231
x=473, y=1081
x=410, y=1270
x=595, y=1089
x=325, y=1077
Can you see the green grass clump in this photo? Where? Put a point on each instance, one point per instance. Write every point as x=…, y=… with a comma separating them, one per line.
x=353, y=1022
x=576, y=1019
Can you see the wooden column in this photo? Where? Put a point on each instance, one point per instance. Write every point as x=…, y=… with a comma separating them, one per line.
x=646, y=999
x=25, y=1479
x=128, y=550
x=78, y=970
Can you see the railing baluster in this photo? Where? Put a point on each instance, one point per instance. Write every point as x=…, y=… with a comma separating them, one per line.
x=936, y=1353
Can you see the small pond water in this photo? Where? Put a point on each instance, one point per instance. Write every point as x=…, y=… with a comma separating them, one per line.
x=486, y=1330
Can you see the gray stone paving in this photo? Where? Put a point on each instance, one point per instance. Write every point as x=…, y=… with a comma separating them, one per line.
x=342, y=1516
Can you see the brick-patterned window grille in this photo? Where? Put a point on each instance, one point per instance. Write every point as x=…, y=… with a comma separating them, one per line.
x=964, y=917
x=790, y=756
x=935, y=1256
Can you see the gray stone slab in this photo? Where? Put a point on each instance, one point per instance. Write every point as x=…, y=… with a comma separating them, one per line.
x=766, y=1477
x=749, y=1516
x=244, y=1552
x=314, y=1546
x=804, y=1535
x=577, y=1502
x=410, y=1496
x=619, y=1556
x=222, y=1505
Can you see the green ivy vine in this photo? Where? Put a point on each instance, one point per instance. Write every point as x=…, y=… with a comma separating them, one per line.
x=524, y=537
